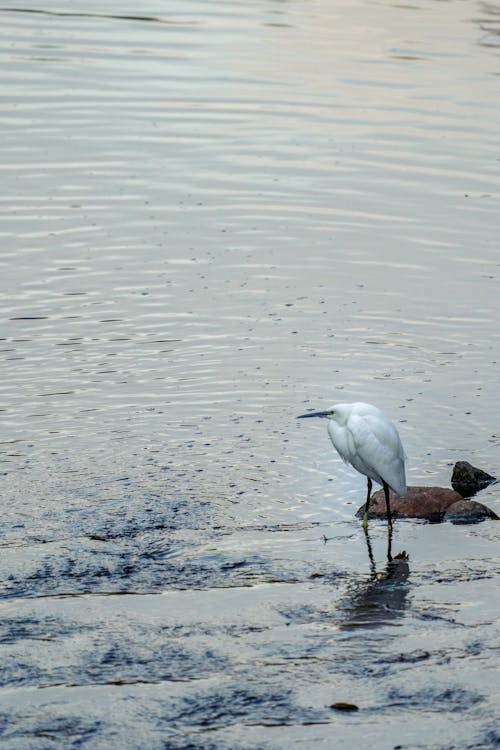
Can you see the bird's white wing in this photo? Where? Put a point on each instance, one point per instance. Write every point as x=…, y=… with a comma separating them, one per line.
x=377, y=450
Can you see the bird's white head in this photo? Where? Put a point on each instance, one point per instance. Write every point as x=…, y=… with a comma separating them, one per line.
x=338, y=413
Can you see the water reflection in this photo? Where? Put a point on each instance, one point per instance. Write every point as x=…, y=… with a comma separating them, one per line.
x=383, y=598
x=201, y=227
x=489, y=23
x=113, y=16
x=370, y=548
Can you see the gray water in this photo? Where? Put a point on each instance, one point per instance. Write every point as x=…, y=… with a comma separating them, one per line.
x=214, y=216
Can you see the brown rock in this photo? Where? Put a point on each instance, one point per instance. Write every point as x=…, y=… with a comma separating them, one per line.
x=429, y=503
x=467, y=479
x=468, y=511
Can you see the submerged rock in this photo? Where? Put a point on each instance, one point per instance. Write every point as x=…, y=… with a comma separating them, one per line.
x=468, y=511
x=467, y=479
x=341, y=706
x=428, y=503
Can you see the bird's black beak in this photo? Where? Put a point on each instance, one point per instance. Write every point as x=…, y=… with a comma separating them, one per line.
x=314, y=414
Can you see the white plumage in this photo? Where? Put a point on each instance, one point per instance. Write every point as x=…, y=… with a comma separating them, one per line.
x=368, y=441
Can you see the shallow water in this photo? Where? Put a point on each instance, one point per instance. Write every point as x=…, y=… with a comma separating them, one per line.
x=213, y=217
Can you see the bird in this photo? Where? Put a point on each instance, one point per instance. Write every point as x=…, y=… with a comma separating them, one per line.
x=367, y=440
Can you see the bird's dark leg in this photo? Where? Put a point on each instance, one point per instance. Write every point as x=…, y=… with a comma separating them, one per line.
x=367, y=504
x=388, y=506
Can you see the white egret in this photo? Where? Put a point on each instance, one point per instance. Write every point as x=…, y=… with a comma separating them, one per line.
x=366, y=439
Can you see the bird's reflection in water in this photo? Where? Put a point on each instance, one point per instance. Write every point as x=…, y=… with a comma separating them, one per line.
x=382, y=598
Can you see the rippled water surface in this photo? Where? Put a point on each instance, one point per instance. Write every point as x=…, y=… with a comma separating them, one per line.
x=215, y=215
